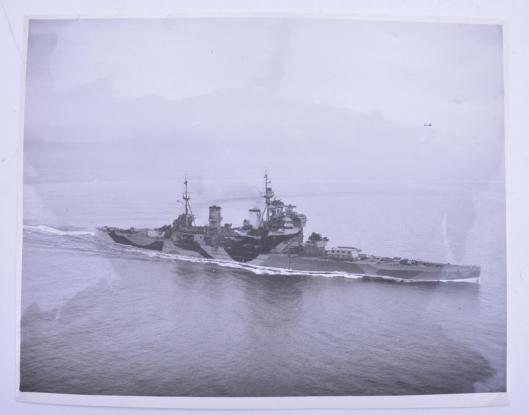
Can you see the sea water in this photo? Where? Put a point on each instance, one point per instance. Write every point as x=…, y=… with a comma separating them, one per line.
x=101, y=318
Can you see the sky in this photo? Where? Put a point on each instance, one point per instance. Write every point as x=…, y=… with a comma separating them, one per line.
x=227, y=97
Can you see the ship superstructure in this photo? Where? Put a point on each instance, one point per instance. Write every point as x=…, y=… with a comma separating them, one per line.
x=273, y=237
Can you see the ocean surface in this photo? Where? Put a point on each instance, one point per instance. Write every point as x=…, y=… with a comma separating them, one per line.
x=100, y=318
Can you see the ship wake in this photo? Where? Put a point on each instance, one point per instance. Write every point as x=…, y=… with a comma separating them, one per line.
x=56, y=231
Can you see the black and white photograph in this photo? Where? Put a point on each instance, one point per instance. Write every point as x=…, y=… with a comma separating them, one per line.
x=263, y=207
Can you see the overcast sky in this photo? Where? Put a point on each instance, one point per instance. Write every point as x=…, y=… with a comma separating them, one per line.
x=349, y=96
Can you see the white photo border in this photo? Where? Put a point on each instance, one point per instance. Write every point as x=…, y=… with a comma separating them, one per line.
x=308, y=402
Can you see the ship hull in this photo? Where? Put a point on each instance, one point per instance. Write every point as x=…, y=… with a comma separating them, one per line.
x=426, y=272
x=367, y=268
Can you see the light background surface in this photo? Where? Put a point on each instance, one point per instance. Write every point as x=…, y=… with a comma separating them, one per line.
x=515, y=13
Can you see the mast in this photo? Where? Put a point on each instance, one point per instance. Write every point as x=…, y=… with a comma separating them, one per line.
x=187, y=198
x=268, y=195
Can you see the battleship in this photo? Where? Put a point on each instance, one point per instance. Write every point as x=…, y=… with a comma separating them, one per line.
x=273, y=237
